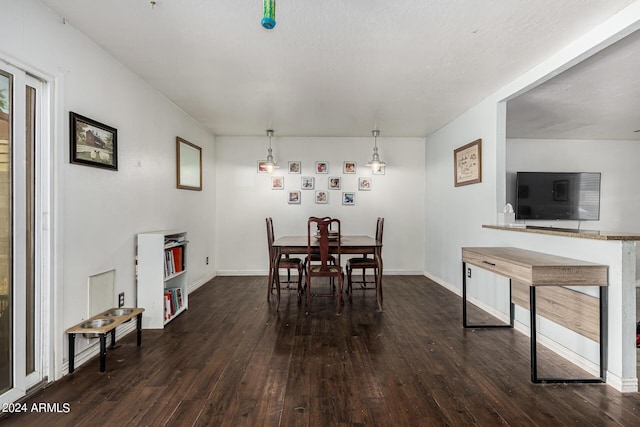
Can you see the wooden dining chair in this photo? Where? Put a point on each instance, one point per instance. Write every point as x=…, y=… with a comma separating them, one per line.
x=319, y=242
x=316, y=257
x=285, y=263
x=364, y=264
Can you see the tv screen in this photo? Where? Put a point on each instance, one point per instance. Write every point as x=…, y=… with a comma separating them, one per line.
x=558, y=195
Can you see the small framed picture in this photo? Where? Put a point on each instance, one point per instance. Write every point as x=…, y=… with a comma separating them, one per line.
x=348, y=198
x=322, y=197
x=467, y=164
x=294, y=198
x=378, y=170
x=308, y=183
x=364, y=184
x=277, y=183
x=295, y=166
x=93, y=143
x=262, y=166
x=334, y=183
x=349, y=167
x=322, y=167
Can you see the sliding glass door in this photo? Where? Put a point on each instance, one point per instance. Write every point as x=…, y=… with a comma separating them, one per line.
x=20, y=293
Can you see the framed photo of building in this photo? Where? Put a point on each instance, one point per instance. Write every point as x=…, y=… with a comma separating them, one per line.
x=92, y=143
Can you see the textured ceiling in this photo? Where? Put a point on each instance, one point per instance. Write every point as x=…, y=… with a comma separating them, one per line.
x=598, y=98
x=331, y=67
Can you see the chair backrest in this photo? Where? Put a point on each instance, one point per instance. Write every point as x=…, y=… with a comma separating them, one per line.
x=270, y=235
x=321, y=233
x=379, y=229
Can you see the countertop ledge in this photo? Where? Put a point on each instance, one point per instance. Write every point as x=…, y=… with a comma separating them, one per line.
x=568, y=232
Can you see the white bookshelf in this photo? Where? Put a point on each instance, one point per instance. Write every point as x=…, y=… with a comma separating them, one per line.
x=161, y=267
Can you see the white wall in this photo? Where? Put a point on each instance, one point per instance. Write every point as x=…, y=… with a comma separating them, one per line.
x=244, y=198
x=463, y=210
x=98, y=212
x=616, y=160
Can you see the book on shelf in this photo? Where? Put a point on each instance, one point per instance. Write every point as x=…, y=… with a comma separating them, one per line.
x=175, y=295
x=173, y=261
x=168, y=311
x=173, y=241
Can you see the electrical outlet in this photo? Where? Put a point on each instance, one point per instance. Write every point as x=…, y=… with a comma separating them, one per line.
x=207, y=261
x=121, y=299
x=469, y=272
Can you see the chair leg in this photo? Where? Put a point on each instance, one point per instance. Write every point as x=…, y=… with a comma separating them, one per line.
x=340, y=298
x=349, y=283
x=270, y=283
x=288, y=276
x=299, y=283
x=308, y=291
x=364, y=280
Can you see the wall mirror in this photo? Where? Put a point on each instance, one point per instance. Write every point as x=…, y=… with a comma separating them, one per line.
x=189, y=161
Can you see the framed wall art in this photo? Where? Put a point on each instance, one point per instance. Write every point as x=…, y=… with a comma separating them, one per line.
x=364, y=184
x=262, y=166
x=322, y=167
x=322, y=197
x=348, y=198
x=294, y=198
x=467, y=163
x=92, y=143
x=277, y=183
x=335, y=183
x=378, y=170
x=349, y=167
x=308, y=183
x=188, y=165
x=295, y=166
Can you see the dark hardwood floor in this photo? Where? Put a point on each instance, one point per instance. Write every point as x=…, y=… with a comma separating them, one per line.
x=232, y=360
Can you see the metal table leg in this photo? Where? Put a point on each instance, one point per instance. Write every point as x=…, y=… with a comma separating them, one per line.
x=465, y=321
x=534, y=343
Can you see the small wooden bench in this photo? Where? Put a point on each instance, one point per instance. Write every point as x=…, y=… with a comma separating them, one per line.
x=101, y=331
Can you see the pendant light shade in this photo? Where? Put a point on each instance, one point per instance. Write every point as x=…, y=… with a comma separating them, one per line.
x=375, y=163
x=270, y=164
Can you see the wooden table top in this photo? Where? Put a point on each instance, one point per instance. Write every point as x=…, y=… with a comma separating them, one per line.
x=345, y=241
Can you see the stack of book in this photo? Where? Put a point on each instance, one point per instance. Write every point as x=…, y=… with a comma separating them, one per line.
x=172, y=302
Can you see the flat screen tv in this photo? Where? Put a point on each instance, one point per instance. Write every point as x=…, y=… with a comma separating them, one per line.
x=558, y=195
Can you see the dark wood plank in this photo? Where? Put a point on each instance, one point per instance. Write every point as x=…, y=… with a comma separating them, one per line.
x=233, y=360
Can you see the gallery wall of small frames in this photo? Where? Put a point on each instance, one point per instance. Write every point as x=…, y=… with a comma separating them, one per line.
x=322, y=184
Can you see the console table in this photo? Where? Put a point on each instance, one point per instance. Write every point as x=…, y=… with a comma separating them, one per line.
x=536, y=269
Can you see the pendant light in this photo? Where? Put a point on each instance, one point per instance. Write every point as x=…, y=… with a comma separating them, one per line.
x=375, y=163
x=269, y=19
x=270, y=164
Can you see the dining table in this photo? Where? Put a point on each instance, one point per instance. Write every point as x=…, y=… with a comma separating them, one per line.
x=349, y=245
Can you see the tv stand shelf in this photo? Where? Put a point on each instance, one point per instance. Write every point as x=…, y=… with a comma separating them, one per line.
x=569, y=232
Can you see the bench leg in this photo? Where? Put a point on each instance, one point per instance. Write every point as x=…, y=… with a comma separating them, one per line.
x=139, y=327
x=103, y=352
x=72, y=351
x=113, y=339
